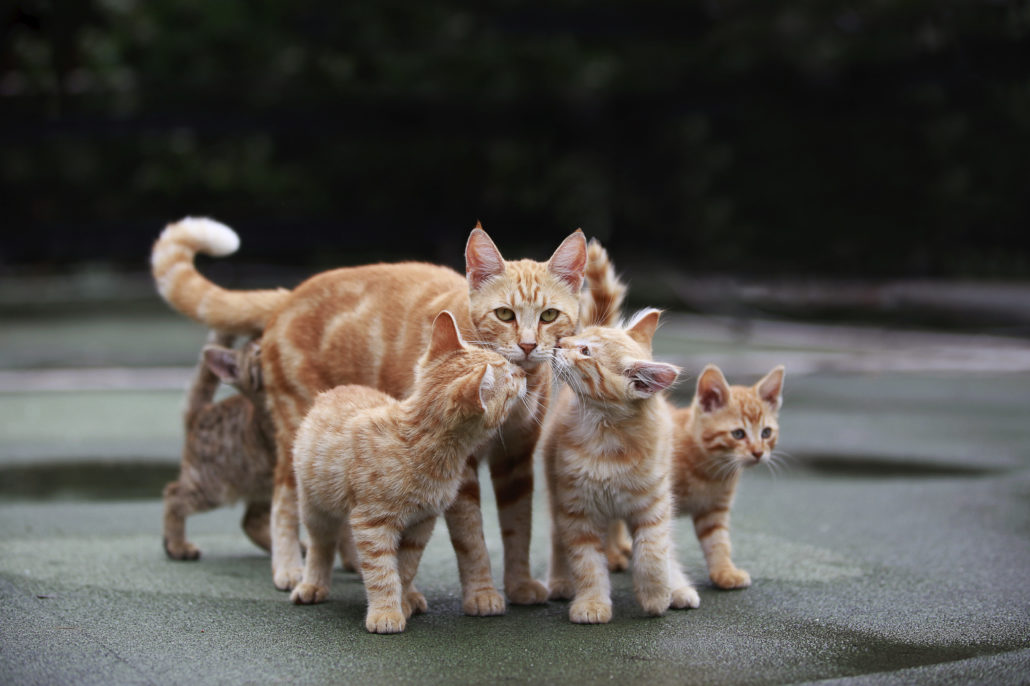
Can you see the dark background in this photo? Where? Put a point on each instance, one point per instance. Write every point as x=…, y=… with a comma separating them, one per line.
x=870, y=138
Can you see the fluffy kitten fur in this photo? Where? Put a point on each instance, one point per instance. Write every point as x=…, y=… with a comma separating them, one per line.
x=229, y=452
x=393, y=466
x=368, y=325
x=725, y=429
x=607, y=448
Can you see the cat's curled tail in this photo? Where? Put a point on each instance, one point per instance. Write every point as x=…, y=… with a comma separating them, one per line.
x=600, y=303
x=188, y=291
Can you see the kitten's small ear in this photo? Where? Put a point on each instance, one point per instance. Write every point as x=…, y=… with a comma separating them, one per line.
x=446, y=338
x=487, y=387
x=770, y=388
x=643, y=325
x=569, y=261
x=653, y=377
x=712, y=390
x=224, y=362
x=483, y=260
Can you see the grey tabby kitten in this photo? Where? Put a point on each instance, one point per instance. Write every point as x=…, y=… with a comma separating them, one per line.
x=229, y=451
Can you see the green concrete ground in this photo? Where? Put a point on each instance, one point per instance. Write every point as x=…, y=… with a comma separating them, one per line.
x=892, y=547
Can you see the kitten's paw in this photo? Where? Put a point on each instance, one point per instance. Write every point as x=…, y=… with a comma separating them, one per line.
x=655, y=604
x=385, y=621
x=617, y=561
x=590, y=612
x=181, y=551
x=526, y=592
x=414, y=603
x=560, y=588
x=309, y=594
x=684, y=597
x=485, y=602
x=730, y=577
x=287, y=578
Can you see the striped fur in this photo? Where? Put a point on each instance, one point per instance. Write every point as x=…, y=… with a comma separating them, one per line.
x=607, y=448
x=229, y=450
x=368, y=325
x=602, y=298
x=708, y=458
x=186, y=290
x=393, y=466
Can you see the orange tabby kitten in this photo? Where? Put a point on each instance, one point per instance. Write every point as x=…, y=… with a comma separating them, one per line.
x=607, y=448
x=368, y=325
x=725, y=429
x=393, y=466
x=229, y=451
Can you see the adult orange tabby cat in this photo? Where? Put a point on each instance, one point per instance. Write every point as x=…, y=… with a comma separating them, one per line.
x=368, y=325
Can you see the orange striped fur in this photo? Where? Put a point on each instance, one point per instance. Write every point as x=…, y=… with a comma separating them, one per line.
x=607, y=448
x=393, y=466
x=708, y=458
x=602, y=298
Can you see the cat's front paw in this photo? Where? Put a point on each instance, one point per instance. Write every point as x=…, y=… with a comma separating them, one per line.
x=485, y=602
x=590, y=612
x=414, y=603
x=684, y=597
x=309, y=594
x=287, y=578
x=655, y=603
x=181, y=551
x=560, y=588
x=526, y=592
x=728, y=578
x=385, y=621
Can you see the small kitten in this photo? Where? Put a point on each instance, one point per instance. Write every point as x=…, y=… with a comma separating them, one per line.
x=725, y=429
x=393, y=466
x=229, y=451
x=607, y=449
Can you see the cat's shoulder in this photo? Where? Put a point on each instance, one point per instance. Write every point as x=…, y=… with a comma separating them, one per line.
x=351, y=397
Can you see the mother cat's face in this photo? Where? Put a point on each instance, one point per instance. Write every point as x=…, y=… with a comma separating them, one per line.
x=520, y=309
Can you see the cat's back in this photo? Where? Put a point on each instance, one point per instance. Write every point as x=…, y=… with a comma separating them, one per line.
x=360, y=325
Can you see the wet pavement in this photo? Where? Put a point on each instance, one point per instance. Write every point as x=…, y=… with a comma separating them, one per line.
x=891, y=546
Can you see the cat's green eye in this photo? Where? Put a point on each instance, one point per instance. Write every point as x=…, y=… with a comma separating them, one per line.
x=549, y=315
x=505, y=314
x=766, y=432
x=739, y=434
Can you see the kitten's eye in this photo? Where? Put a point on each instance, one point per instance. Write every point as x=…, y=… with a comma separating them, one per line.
x=739, y=434
x=766, y=432
x=584, y=351
x=549, y=315
x=504, y=314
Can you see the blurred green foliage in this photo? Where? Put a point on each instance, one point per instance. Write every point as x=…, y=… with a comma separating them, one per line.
x=873, y=137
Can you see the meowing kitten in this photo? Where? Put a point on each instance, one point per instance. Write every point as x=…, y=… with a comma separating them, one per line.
x=393, y=466
x=368, y=325
x=229, y=453
x=725, y=429
x=607, y=448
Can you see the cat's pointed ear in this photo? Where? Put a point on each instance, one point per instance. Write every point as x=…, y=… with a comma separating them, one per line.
x=224, y=362
x=483, y=260
x=643, y=325
x=569, y=261
x=446, y=337
x=770, y=388
x=487, y=387
x=712, y=390
x=649, y=377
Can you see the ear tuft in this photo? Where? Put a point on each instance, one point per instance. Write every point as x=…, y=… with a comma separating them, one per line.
x=569, y=261
x=713, y=392
x=446, y=338
x=483, y=260
x=224, y=362
x=770, y=388
x=653, y=377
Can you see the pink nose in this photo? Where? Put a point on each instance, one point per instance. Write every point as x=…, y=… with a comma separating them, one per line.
x=757, y=454
x=527, y=347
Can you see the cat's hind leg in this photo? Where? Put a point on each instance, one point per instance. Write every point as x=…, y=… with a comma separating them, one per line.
x=256, y=522
x=618, y=546
x=322, y=529
x=345, y=546
x=181, y=500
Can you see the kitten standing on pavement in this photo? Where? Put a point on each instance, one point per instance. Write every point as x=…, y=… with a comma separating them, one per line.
x=393, y=466
x=607, y=448
x=229, y=451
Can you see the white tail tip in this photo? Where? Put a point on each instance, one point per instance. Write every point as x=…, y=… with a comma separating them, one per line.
x=211, y=237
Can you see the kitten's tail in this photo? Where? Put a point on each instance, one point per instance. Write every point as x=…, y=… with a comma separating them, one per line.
x=601, y=301
x=205, y=381
x=186, y=289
